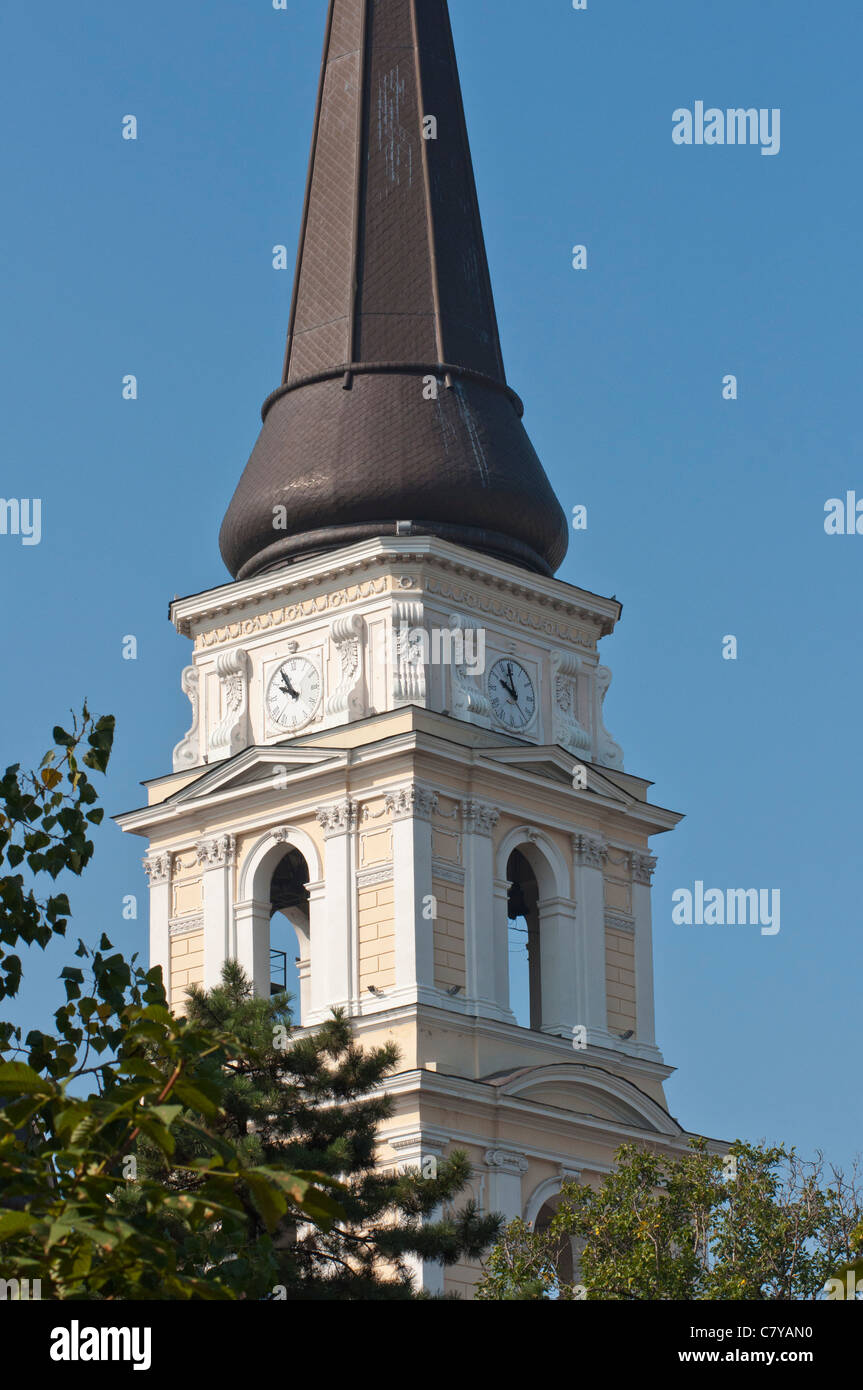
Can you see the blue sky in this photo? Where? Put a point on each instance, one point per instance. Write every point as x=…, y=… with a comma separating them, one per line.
x=705, y=516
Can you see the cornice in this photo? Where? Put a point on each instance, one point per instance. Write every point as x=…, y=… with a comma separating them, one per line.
x=326, y=778
x=558, y=1050
x=472, y=1096
x=555, y=595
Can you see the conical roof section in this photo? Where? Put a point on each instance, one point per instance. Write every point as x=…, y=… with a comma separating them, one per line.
x=394, y=416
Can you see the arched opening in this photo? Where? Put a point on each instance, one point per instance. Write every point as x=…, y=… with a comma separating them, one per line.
x=289, y=931
x=537, y=933
x=525, y=965
x=563, y=1253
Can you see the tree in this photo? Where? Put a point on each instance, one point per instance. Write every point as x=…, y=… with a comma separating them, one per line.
x=757, y=1224
x=66, y=1154
x=312, y=1102
x=148, y=1156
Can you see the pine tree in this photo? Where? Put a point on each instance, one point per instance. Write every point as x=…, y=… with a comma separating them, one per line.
x=313, y=1104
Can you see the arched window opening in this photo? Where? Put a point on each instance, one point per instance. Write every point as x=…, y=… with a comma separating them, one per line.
x=563, y=1254
x=289, y=931
x=525, y=965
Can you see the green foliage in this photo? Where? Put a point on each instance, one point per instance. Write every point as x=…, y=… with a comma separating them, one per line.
x=757, y=1225
x=65, y=1154
x=521, y=1267
x=312, y=1102
x=47, y=824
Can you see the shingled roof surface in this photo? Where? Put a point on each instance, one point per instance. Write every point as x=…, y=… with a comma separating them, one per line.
x=394, y=412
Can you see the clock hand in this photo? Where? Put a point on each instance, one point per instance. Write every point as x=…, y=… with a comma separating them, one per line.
x=288, y=688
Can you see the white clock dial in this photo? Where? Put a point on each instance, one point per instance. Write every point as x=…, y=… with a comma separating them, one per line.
x=294, y=693
x=511, y=692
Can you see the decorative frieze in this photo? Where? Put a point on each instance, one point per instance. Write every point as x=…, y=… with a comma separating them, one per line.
x=643, y=866
x=590, y=850
x=478, y=818
x=182, y=926
x=616, y=922
x=447, y=872
x=220, y=852
x=510, y=613
x=371, y=878
x=307, y=608
x=411, y=800
x=338, y=819
x=188, y=751
x=157, y=867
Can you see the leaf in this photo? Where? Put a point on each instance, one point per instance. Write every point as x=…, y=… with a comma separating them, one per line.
x=161, y=1137
x=195, y=1098
x=19, y=1079
x=166, y=1113
x=15, y=1223
x=267, y=1197
x=51, y=778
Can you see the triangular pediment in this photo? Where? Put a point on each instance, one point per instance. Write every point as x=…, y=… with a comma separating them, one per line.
x=554, y=764
x=255, y=767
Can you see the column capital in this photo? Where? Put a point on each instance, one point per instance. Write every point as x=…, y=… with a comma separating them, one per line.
x=412, y=800
x=339, y=818
x=590, y=850
x=643, y=866
x=219, y=852
x=157, y=867
x=478, y=818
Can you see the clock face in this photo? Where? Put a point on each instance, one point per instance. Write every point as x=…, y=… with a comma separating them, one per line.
x=294, y=693
x=511, y=692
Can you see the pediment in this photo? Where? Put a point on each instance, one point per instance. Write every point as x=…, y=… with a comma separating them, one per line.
x=255, y=767
x=554, y=764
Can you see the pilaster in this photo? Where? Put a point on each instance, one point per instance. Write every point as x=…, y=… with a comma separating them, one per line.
x=485, y=992
x=334, y=981
x=157, y=867
x=643, y=866
x=411, y=808
x=506, y=1169
x=589, y=854
x=218, y=858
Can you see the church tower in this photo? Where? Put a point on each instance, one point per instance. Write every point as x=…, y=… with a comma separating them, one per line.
x=397, y=769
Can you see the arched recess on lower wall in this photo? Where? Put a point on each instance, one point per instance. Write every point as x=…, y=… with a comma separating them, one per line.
x=280, y=876
x=539, y=1213
x=540, y=910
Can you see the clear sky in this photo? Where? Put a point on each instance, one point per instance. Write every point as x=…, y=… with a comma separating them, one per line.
x=705, y=516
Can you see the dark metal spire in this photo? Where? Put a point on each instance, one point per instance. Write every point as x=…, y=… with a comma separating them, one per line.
x=394, y=406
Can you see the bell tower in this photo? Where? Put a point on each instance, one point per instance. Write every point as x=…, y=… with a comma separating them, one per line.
x=397, y=743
